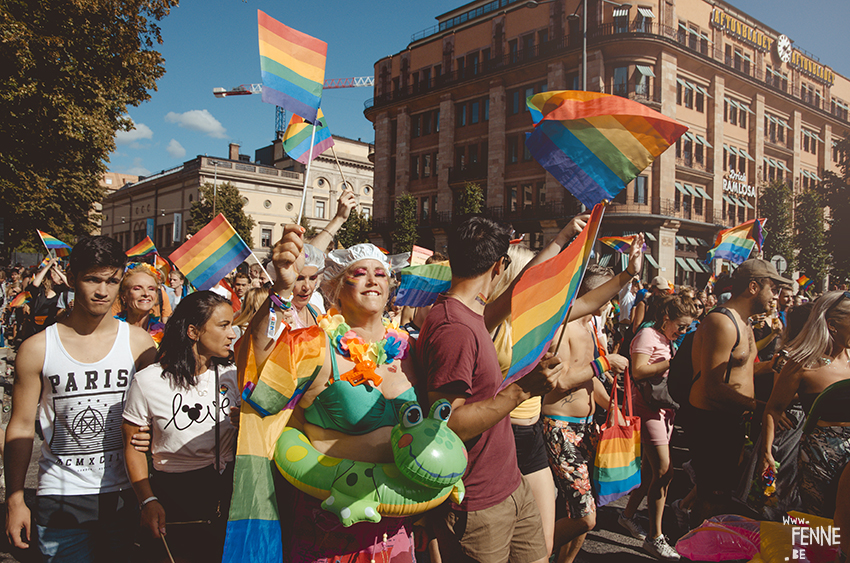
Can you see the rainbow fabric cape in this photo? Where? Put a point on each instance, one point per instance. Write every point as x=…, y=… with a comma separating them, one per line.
x=253, y=526
x=805, y=283
x=594, y=144
x=293, y=67
x=210, y=254
x=542, y=297
x=421, y=285
x=296, y=140
x=20, y=299
x=736, y=244
x=52, y=243
x=620, y=244
x=142, y=249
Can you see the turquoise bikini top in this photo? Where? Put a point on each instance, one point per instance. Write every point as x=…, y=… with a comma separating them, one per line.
x=354, y=409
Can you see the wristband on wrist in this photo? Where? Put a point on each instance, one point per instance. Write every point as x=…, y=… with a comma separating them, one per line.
x=278, y=301
x=147, y=501
x=600, y=365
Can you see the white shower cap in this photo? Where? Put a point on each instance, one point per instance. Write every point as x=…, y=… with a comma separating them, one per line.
x=313, y=257
x=338, y=260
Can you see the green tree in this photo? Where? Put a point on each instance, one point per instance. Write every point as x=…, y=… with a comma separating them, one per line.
x=229, y=202
x=309, y=230
x=70, y=70
x=812, y=258
x=836, y=192
x=775, y=201
x=470, y=199
x=355, y=230
x=404, y=232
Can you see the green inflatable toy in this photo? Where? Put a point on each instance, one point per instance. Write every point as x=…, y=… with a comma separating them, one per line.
x=430, y=461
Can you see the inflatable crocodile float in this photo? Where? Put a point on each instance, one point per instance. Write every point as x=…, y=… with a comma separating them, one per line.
x=430, y=460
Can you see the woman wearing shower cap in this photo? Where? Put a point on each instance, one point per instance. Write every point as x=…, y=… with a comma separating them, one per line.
x=342, y=383
x=303, y=312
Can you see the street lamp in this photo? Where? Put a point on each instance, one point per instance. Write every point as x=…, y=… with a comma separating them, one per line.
x=535, y=3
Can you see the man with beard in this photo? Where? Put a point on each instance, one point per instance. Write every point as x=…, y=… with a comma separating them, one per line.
x=723, y=390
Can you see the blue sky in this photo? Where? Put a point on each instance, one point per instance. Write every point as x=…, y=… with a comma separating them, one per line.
x=213, y=43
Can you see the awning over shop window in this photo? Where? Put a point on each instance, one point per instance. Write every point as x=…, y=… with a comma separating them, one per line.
x=703, y=193
x=746, y=154
x=681, y=240
x=704, y=91
x=646, y=12
x=682, y=264
x=696, y=266
x=650, y=236
x=702, y=140
x=651, y=261
x=621, y=12
x=691, y=190
x=645, y=70
x=680, y=188
x=692, y=241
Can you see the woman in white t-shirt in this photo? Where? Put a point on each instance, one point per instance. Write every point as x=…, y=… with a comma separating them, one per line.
x=186, y=398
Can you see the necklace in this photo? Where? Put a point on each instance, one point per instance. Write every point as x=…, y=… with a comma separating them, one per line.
x=367, y=356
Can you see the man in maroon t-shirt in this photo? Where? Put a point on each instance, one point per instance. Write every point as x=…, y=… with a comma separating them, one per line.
x=498, y=519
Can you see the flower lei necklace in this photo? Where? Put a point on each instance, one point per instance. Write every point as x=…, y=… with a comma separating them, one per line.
x=367, y=356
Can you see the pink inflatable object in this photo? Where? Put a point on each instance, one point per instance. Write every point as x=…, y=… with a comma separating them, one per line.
x=722, y=538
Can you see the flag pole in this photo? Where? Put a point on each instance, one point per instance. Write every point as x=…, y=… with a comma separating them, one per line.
x=306, y=175
x=339, y=167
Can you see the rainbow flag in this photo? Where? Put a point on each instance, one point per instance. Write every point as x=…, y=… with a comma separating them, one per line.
x=804, y=283
x=296, y=140
x=420, y=285
x=736, y=244
x=210, y=254
x=542, y=297
x=253, y=525
x=594, y=144
x=142, y=249
x=293, y=67
x=20, y=299
x=162, y=264
x=620, y=244
x=52, y=243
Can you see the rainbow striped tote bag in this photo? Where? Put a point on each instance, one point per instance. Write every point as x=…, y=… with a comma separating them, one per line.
x=616, y=470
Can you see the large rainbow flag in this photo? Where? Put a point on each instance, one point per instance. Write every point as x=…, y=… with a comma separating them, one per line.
x=542, y=297
x=620, y=244
x=142, y=249
x=253, y=526
x=293, y=67
x=210, y=254
x=421, y=285
x=804, y=283
x=296, y=140
x=594, y=144
x=736, y=244
x=52, y=243
x=20, y=299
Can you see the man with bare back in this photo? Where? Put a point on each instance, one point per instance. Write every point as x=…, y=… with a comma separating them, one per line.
x=75, y=376
x=568, y=427
x=723, y=391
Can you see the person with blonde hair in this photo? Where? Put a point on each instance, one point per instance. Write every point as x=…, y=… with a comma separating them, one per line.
x=818, y=359
x=250, y=305
x=139, y=294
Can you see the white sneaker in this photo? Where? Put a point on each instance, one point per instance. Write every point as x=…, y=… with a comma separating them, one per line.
x=660, y=549
x=683, y=517
x=632, y=526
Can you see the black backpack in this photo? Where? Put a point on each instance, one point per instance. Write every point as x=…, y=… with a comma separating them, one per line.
x=681, y=378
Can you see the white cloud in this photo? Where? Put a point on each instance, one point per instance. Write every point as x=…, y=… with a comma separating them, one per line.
x=175, y=149
x=137, y=169
x=141, y=131
x=198, y=120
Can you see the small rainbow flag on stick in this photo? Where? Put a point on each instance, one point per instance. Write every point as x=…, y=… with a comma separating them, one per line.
x=210, y=254
x=805, y=283
x=296, y=140
x=52, y=243
x=620, y=244
x=293, y=67
x=594, y=144
x=542, y=297
x=142, y=249
x=420, y=285
x=161, y=263
x=736, y=244
x=20, y=299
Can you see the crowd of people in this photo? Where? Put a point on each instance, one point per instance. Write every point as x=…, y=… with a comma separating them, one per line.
x=140, y=387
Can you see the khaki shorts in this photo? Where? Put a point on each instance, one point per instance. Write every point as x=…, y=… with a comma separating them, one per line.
x=510, y=531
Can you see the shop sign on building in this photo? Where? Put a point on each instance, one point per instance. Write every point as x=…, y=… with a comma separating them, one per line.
x=736, y=28
x=811, y=68
x=736, y=183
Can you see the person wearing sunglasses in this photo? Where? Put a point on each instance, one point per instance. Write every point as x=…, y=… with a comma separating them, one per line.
x=818, y=359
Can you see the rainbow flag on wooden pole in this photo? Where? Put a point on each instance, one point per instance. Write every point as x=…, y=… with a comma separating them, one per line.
x=144, y=248
x=542, y=297
x=421, y=285
x=297, y=137
x=736, y=244
x=210, y=254
x=804, y=283
x=620, y=244
x=594, y=144
x=53, y=244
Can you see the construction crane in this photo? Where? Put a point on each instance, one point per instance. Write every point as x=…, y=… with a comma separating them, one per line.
x=280, y=113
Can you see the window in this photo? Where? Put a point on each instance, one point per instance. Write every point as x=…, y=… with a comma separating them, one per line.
x=513, y=153
x=320, y=209
x=414, y=167
x=426, y=165
x=700, y=102
x=266, y=237
x=486, y=109
x=427, y=123
x=679, y=92
x=416, y=126
x=640, y=190
x=512, y=202
x=526, y=154
x=621, y=81
x=515, y=102
x=426, y=78
x=529, y=91
x=513, y=49
x=460, y=109
x=460, y=157
x=437, y=121
x=527, y=196
x=475, y=108
x=424, y=208
x=528, y=46
x=689, y=96
x=739, y=59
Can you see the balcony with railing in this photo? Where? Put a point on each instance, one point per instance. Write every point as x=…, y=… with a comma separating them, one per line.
x=688, y=160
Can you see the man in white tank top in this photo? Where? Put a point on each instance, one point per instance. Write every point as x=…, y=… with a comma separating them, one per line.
x=78, y=372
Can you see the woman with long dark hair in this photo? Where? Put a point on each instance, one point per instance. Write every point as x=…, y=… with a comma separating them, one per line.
x=186, y=397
